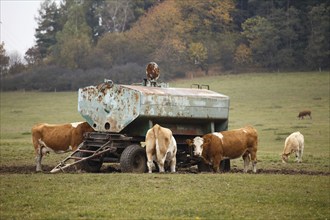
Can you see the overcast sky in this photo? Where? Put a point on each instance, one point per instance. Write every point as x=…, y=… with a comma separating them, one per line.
x=17, y=27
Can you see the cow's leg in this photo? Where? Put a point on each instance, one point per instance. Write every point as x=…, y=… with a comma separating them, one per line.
x=246, y=158
x=161, y=157
x=161, y=166
x=296, y=153
x=253, y=155
x=298, y=156
x=300, y=153
x=150, y=151
x=216, y=164
x=149, y=162
x=42, y=150
x=161, y=163
x=37, y=151
x=284, y=158
x=38, y=159
x=173, y=164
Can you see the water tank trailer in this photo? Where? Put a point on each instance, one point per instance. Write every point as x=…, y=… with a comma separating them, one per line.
x=122, y=114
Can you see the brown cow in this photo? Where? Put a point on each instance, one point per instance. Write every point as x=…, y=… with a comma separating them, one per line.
x=302, y=114
x=214, y=147
x=161, y=147
x=57, y=138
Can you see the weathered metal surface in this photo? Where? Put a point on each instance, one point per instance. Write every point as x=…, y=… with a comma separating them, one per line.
x=110, y=107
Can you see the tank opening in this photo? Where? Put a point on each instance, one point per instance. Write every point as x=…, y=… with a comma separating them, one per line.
x=94, y=125
x=107, y=126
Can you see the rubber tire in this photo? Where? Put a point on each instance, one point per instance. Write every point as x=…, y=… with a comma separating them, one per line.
x=89, y=166
x=133, y=159
x=203, y=167
x=224, y=166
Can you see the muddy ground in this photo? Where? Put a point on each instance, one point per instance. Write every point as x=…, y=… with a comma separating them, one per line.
x=115, y=169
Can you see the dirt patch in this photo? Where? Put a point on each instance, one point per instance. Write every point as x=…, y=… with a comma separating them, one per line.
x=285, y=171
x=18, y=169
x=27, y=169
x=116, y=169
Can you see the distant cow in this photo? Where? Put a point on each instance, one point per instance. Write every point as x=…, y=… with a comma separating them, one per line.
x=294, y=143
x=57, y=138
x=214, y=147
x=160, y=147
x=302, y=114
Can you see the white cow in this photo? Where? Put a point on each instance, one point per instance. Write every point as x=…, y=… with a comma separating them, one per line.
x=160, y=147
x=294, y=143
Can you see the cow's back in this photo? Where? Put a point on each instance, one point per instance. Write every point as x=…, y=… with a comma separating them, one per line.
x=293, y=142
x=236, y=142
x=150, y=142
x=77, y=133
x=56, y=136
x=164, y=137
x=252, y=136
x=158, y=136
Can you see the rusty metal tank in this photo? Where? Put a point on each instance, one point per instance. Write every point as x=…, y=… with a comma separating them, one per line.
x=122, y=114
x=133, y=109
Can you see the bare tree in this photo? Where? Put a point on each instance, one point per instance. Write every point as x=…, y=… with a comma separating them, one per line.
x=115, y=15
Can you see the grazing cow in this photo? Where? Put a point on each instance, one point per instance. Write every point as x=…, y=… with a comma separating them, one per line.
x=294, y=143
x=57, y=138
x=214, y=147
x=161, y=147
x=302, y=114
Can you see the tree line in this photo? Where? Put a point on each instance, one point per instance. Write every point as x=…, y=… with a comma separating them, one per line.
x=81, y=42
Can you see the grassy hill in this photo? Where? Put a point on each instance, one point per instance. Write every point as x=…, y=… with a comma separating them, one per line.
x=271, y=103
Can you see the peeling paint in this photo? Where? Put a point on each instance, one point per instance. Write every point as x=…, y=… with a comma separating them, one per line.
x=120, y=105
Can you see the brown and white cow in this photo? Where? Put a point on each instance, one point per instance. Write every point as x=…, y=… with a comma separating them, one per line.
x=294, y=143
x=214, y=147
x=58, y=138
x=302, y=114
x=160, y=147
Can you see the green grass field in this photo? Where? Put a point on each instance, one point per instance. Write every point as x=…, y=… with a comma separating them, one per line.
x=270, y=102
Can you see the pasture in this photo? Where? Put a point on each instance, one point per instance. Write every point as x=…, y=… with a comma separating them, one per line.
x=269, y=102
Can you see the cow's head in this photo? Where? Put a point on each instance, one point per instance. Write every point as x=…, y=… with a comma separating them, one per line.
x=284, y=158
x=197, y=144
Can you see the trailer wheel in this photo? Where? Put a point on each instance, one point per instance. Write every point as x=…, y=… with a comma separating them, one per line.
x=224, y=166
x=203, y=167
x=90, y=166
x=133, y=159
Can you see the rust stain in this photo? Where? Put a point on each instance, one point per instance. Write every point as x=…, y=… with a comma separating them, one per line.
x=136, y=97
x=119, y=105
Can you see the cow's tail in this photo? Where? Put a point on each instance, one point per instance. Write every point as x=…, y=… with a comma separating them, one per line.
x=156, y=130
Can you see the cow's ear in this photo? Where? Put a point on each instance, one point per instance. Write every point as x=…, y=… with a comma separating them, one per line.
x=189, y=142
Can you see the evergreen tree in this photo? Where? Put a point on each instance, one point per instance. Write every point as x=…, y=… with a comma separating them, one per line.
x=318, y=49
x=74, y=41
x=48, y=25
x=263, y=40
x=288, y=27
x=4, y=60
